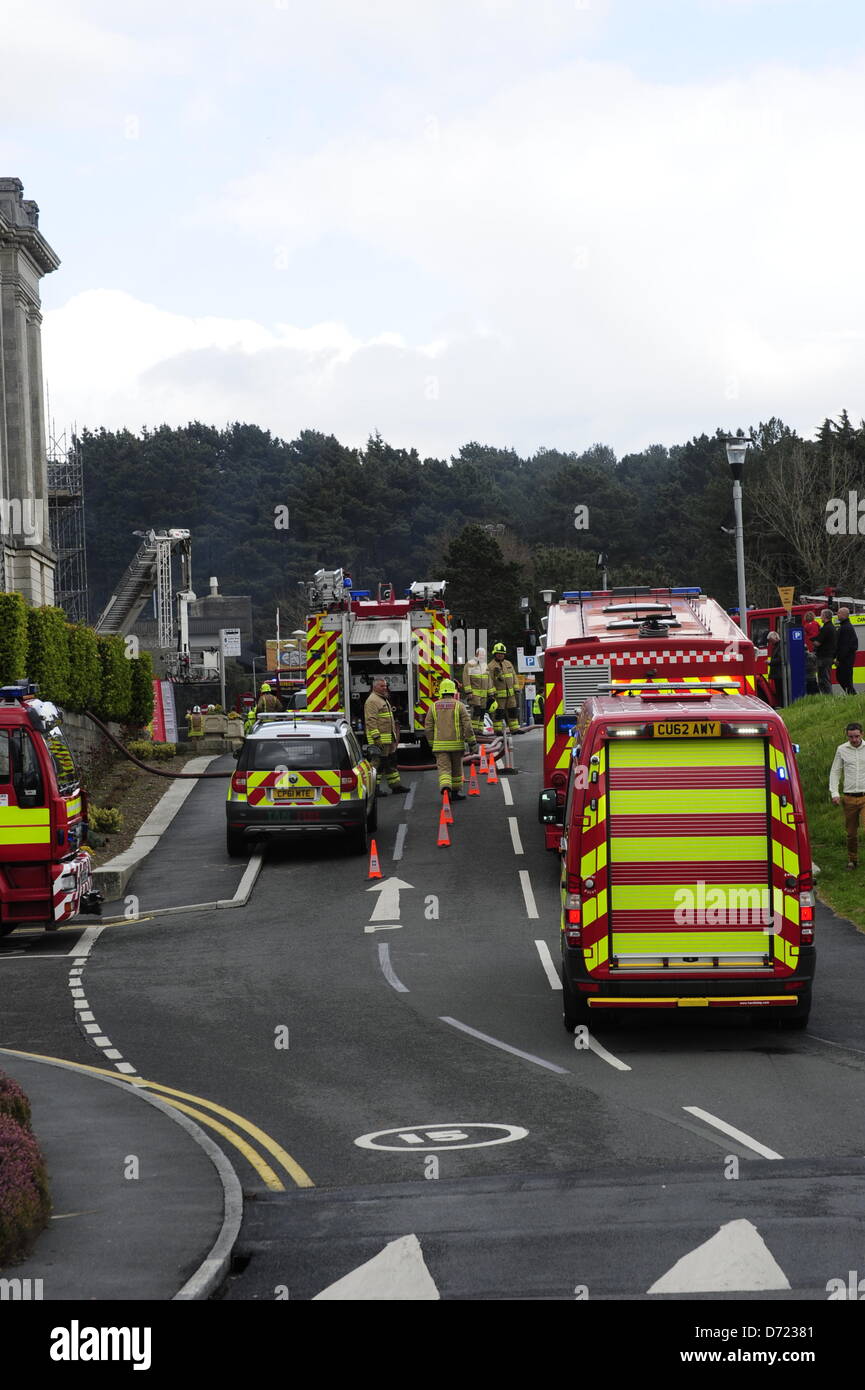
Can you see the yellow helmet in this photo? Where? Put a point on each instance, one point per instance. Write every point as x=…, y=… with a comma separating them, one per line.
x=447, y=687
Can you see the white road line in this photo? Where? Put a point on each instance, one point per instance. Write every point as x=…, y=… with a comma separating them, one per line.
x=515, y=835
x=399, y=841
x=605, y=1056
x=526, y=885
x=506, y=791
x=505, y=1047
x=734, y=1133
x=549, y=965
x=409, y=801
x=387, y=969
x=85, y=943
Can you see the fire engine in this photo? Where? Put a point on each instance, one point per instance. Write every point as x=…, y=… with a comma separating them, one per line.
x=354, y=637
x=45, y=871
x=597, y=637
x=762, y=621
x=686, y=875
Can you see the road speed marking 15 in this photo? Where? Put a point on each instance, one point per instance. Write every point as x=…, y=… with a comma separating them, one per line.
x=420, y=1138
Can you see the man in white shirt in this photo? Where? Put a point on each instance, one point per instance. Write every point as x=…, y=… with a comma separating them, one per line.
x=849, y=762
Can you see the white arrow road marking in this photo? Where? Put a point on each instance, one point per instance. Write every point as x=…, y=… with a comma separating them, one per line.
x=387, y=907
x=734, y=1260
x=389, y=926
x=397, y=1274
x=547, y=962
x=734, y=1133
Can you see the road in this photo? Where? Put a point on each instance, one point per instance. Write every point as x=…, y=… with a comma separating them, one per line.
x=401, y=1101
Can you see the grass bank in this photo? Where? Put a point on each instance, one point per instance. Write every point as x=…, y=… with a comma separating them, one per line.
x=817, y=725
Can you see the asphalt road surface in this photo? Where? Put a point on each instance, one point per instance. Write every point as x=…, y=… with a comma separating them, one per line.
x=405, y=1110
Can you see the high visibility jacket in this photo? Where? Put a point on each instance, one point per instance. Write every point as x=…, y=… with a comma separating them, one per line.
x=448, y=726
x=504, y=678
x=476, y=682
x=537, y=707
x=267, y=702
x=381, y=726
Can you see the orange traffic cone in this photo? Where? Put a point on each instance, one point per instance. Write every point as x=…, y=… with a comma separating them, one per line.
x=492, y=775
x=444, y=838
x=446, y=807
x=474, y=789
x=374, y=866
x=483, y=758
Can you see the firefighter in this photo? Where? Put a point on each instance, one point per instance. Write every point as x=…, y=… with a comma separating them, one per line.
x=504, y=685
x=477, y=687
x=267, y=701
x=382, y=733
x=448, y=728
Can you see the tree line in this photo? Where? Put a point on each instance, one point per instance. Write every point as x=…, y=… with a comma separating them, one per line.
x=265, y=513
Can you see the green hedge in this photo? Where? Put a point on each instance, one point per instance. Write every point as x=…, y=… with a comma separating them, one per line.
x=115, y=695
x=48, y=653
x=13, y=638
x=141, y=701
x=85, y=670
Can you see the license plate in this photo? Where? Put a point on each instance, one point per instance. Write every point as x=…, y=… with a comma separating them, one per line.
x=294, y=793
x=688, y=728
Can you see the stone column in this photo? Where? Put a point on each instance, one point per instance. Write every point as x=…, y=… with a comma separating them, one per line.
x=26, y=557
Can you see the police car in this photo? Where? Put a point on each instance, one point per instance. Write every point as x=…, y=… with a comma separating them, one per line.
x=301, y=774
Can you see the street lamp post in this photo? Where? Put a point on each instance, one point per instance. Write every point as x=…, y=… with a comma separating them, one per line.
x=736, y=451
x=254, y=684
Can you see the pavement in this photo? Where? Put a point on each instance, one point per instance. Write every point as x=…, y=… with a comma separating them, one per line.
x=145, y=1205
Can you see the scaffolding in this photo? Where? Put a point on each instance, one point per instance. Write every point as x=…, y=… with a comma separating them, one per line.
x=66, y=524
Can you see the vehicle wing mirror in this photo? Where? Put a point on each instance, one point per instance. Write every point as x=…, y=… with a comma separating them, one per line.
x=549, y=812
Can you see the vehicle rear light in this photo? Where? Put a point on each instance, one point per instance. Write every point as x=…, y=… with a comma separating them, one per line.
x=347, y=781
x=806, y=918
x=238, y=782
x=574, y=883
x=573, y=919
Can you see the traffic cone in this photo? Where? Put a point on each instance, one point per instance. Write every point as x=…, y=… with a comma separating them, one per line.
x=444, y=838
x=374, y=866
x=483, y=758
x=474, y=789
x=446, y=807
x=492, y=775
x=509, y=770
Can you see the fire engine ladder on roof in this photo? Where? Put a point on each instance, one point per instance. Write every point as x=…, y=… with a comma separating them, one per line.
x=150, y=569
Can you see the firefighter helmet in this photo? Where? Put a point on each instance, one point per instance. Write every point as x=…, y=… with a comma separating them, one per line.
x=447, y=687
x=500, y=648
x=264, y=688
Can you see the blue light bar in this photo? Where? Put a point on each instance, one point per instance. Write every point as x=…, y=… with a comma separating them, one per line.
x=361, y=593
x=578, y=593
x=685, y=591
x=17, y=692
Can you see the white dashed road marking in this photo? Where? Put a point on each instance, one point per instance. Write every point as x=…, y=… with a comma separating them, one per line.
x=528, y=895
x=734, y=1133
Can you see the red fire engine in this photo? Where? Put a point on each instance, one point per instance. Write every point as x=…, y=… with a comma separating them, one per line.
x=609, y=637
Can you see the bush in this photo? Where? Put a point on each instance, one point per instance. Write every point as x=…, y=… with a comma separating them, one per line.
x=85, y=670
x=13, y=638
x=151, y=752
x=25, y=1204
x=13, y=1100
x=48, y=653
x=105, y=818
x=141, y=703
x=115, y=694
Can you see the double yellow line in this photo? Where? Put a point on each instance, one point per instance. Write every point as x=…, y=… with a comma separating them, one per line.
x=177, y=1099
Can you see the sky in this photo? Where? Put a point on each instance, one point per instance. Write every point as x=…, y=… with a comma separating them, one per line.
x=530, y=223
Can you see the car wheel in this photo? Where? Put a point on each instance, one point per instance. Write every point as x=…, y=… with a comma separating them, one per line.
x=798, y=1018
x=360, y=837
x=575, y=1009
x=7, y=927
x=235, y=843
x=373, y=815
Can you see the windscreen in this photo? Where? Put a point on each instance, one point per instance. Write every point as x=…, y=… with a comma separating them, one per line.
x=296, y=754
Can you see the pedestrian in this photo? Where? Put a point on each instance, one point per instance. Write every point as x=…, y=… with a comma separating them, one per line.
x=382, y=734
x=810, y=627
x=845, y=651
x=477, y=686
x=538, y=708
x=448, y=728
x=773, y=668
x=504, y=684
x=849, y=763
x=824, y=650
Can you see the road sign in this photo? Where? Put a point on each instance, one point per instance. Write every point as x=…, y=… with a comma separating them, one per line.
x=230, y=640
x=785, y=593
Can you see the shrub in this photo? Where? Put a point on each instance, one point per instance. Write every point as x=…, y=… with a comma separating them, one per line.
x=85, y=670
x=105, y=818
x=48, y=653
x=13, y=638
x=115, y=694
x=141, y=702
x=13, y=1100
x=25, y=1203
x=151, y=752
